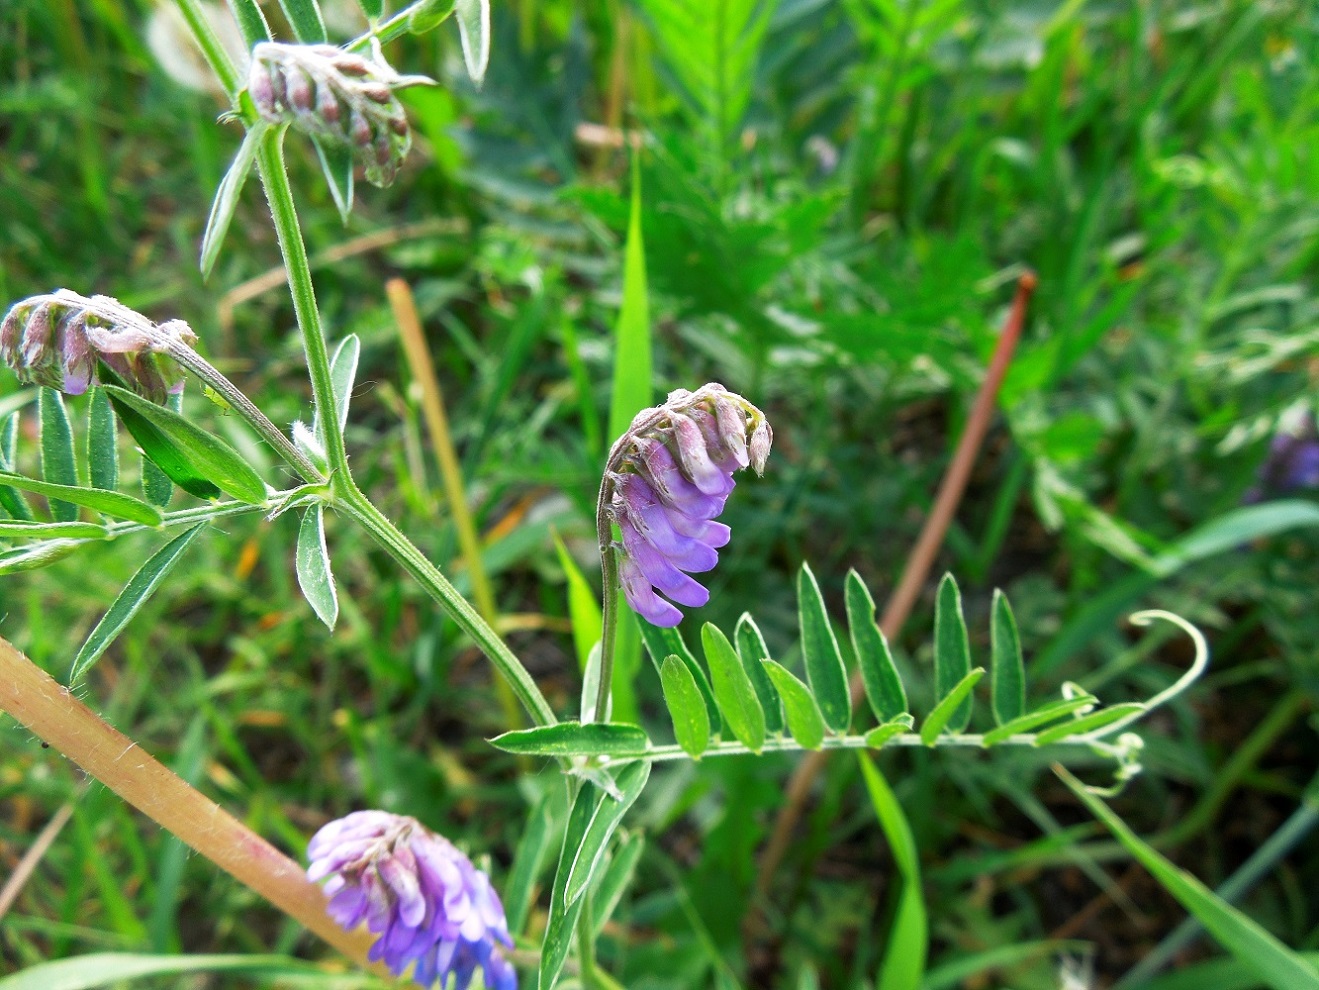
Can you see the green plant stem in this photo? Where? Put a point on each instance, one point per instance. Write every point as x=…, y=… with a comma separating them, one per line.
x=274, y=178
x=360, y=508
x=209, y=42
x=586, y=944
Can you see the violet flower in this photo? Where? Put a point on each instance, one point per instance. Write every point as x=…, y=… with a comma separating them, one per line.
x=57, y=340
x=430, y=906
x=666, y=480
x=1291, y=465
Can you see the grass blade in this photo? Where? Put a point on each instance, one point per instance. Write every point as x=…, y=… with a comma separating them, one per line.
x=27, y=529
x=103, y=969
x=751, y=648
x=1272, y=962
x=102, y=445
x=952, y=651
x=251, y=21
x=528, y=862
x=1008, y=678
x=583, y=605
x=617, y=877
x=315, y=577
x=884, y=689
x=824, y=661
x=804, y=719
x=140, y=587
x=185, y=451
x=58, y=465
x=733, y=689
x=908, y=942
x=941, y=719
x=110, y=503
x=691, y=723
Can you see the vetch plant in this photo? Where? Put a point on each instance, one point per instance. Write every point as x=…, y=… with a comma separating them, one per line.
x=429, y=913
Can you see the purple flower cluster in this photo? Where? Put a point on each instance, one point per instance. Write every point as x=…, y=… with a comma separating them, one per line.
x=1292, y=463
x=427, y=902
x=337, y=96
x=57, y=339
x=667, y=479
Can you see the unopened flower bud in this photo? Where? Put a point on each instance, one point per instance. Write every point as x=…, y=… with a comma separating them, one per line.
x=57, y=340
x=414, y=889
x=337, y=96
x=667, y=479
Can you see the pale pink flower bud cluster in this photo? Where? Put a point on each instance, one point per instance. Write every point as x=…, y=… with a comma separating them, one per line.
x=666, y=481
x=57, y=340
x=338, y=96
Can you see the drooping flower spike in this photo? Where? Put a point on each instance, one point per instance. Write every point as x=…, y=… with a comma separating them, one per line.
x=666, y=480
x=57, y=339
x=338, y=96
x=432, y=909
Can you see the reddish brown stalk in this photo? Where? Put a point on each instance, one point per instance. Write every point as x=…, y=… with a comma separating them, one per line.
x=47, y=708
x=916, y=570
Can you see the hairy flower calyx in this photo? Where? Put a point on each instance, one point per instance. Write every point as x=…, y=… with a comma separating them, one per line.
x=337, y=96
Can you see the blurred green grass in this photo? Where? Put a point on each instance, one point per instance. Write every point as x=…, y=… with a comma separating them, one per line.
x=831, y=227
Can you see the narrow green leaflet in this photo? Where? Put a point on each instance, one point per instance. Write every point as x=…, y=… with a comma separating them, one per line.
x=10, y=500
x=104, y=969
x=587, y=808
x=631, y=781
x=58, y=465
x=908, y=941
x=39, y=555
x=617, y=877
x=372, y=8
x=110, y=503
x=474, y=32
x=337, y=166
x=824, y=661
x=174, y=439
x=27, y=529
x=583, y=605
x=1272, y=962
x=662, y=643
x=877, y=737
x=140, y=587
x=343, y=374
x=102, y=443
x=615, y=739
x=226, y=196
x=751, y=648
x=1053, y=711
x=528, y=862
x=884, y=690
x=952, y=651
x=428, y=15
x=313, y=566
x=158, y=489
x=1088, y=723
x=691, y=723
x=251, y=21
x=941, y=719
x=804, y=719
x=305, y=18
x=733, y=689
x=1008, y=678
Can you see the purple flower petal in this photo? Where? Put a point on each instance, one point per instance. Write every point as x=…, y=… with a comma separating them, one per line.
x=674, y=489
x=694, y=458
x=647, y=515
x=641, y=595
x=660, y=572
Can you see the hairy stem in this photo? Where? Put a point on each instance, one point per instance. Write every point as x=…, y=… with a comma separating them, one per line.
x=274, y=178
x=50, y=711
x=356, y=505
